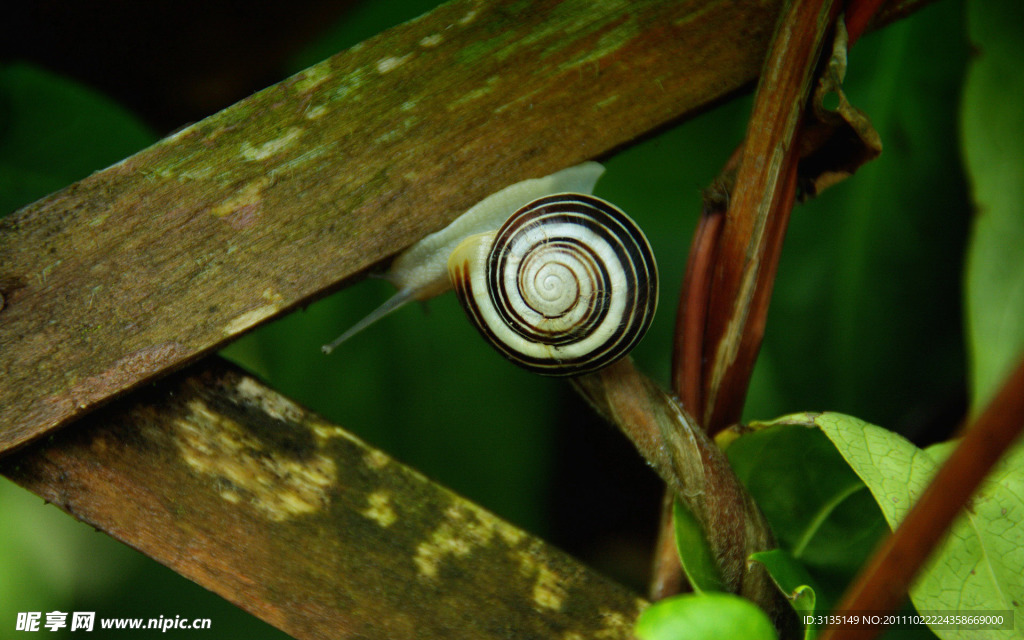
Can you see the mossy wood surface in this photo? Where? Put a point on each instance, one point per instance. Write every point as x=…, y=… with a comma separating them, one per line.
x=169, y=254
x=300, y=523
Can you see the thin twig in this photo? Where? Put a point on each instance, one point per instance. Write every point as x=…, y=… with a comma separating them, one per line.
x=687, y=355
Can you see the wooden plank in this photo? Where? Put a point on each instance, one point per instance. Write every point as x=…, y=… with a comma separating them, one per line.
x=297, y=521
x=239, y=218
x=156, y=261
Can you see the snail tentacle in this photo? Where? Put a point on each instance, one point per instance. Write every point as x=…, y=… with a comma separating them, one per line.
x=394, y=302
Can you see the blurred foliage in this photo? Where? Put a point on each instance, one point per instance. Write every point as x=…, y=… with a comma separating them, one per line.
x=993, y=127
x=54, y=132
x=866, y=315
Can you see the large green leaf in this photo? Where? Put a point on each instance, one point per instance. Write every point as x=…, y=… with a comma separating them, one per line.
x=993, y=144
x=820, y=511
x=980, y=566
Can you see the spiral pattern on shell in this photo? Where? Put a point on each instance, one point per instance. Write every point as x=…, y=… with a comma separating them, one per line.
x=566, y=286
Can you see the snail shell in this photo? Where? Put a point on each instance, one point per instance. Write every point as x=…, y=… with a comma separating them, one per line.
x=565, y=286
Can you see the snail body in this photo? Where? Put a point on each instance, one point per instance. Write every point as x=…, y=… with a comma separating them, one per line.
x=559, y=283
x=423, y=267
x=421, y=271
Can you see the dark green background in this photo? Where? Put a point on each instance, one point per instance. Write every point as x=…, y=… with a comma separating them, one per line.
x=866, y=318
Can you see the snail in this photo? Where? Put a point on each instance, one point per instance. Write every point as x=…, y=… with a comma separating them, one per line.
x=559, y=281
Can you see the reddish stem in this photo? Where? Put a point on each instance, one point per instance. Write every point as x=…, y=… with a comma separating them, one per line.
x=688, y=352
x=759, y=210
x=859, y=15
x=689, y=361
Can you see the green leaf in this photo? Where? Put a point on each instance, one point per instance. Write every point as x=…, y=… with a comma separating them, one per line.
x=980, y=566
x=820, y=511
x=993, y=146
x=793, y=580
x=694, y=552
x=791, y=577
x=54, y=132
x=711, y=616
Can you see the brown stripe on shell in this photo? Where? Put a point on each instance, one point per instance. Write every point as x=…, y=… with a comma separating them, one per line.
x=602, y=220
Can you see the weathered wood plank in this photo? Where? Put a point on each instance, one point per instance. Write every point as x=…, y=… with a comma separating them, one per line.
x=297, y=521
x=165, y=256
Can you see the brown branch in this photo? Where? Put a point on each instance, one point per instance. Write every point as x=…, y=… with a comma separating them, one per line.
x=883, y=582
x=689, y=372
x=688, y=352
x=697, y=473
x=295, y=520
x=759, y=210
x=148, y=265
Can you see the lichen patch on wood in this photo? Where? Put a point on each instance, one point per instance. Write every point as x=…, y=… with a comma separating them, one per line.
x=379, y=509
x=391, y=62
x=254, y=316
x=376, y=459
x=246, y=471
x=312, y=77
x=548, y=590
x=613, y=622
x=461, y=532
x=254, y=152
x=250, y=319
x=273, y=404
x=314, y=112
x=432, y=40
